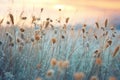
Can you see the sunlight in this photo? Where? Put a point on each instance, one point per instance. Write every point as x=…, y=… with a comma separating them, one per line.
x=41, y=1
x=64, y=7
x=58, y=6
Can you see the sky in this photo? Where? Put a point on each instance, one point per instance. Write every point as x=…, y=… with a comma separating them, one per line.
x=78, y=10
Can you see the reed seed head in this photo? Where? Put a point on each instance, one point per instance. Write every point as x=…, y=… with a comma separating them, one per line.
x=67, y=19
x=11, y=44
x=7, y=33
x=38, y=78
x=23, y=18
x=83, y=30
x=7, y=22
x=60, y=64
x=95, y=36
x=18, y=40
x=109, y=42
x=98, y=61
x=106, y=22
x=116, y=51
x=84, y=25
x=1, y=21
x=59, y=9
x=53, y=62
x=97, y=25
x=65, y=64
x=22, y=30
x=62, y=36
x=79, y=76
x=53, y=40
x=50, y=73
x=41, y=10
x=37, y=37
x=94, y=78
x=112, y=78
x=47, y=19
x=11, y=18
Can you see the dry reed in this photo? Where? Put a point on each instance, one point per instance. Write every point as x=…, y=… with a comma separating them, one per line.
x=67, y=19
x=116, y=51
x=1, y=21
x=11, y=18
x=106, y=22
x=97, y=25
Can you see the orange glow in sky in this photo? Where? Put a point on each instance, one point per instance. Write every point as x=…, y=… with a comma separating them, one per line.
x=76, y=9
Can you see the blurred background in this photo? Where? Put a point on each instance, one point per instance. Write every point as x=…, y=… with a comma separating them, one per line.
x=80, y=11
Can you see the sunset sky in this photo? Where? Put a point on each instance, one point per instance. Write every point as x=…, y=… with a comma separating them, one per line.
x=77, y=10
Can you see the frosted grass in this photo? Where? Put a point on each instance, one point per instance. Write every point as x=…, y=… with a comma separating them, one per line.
x=79, y=51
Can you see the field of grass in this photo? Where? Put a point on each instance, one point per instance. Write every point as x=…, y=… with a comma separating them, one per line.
x=47, y=52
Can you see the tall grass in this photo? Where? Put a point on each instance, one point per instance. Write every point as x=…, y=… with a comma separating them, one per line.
x=45, y=52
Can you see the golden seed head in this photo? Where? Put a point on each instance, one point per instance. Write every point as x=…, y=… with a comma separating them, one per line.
x=62, y=36
x=60, y=64
x=47, y=19
x=53, y=62
x=38, y=78
x=37, y=37
x=109, y=42
x=95, y=36
x=83, y=30
x=112, y=78
x=33, y=19
x=67, y=19
x=50, y=73
x=59, y=9
x=7, y=22
x=106, y=22
x=97, y=25
x=18, y=40
x=116, y=51
x=84, y=25
x=79, y=75
x=11, y=18
x=65, y=64
x=51, y=20
x=23, y=18
x=98, y=61
x=94, y=78
x=53, y=40
x=96, y=51
x=41, y=10
x=22, y=30
x=1, y=21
